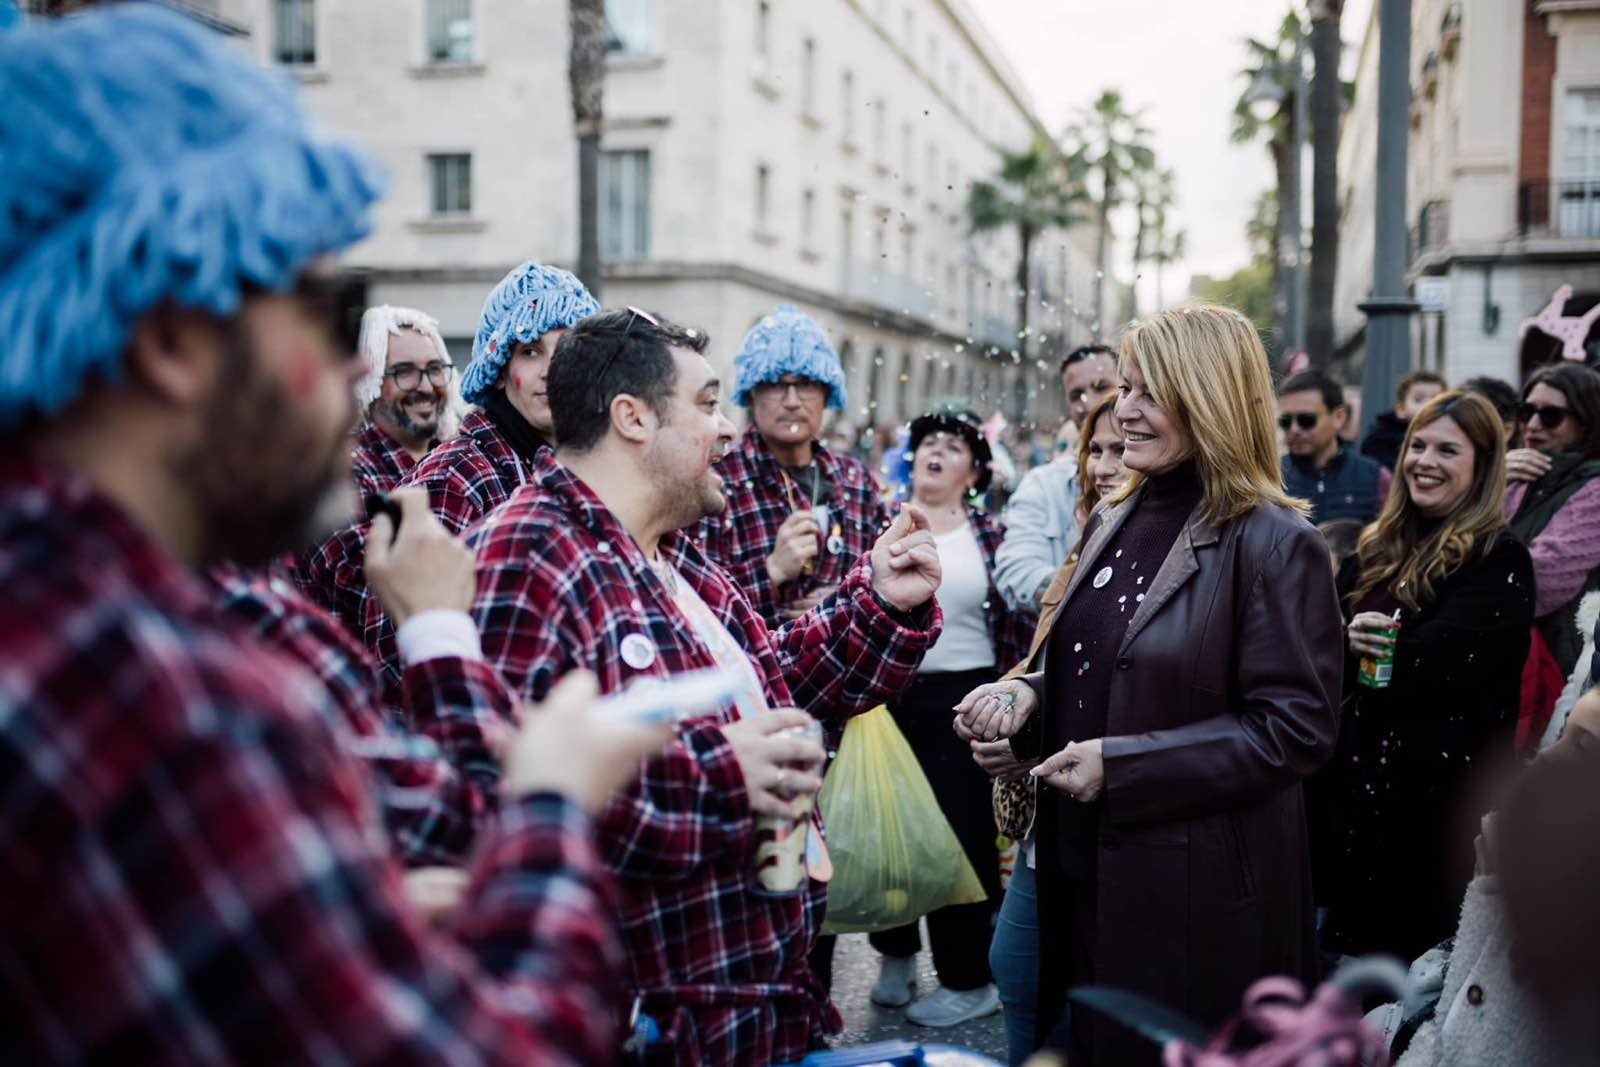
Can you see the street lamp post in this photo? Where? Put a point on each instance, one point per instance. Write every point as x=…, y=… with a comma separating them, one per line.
x=1271, y=90
x=1390, y=308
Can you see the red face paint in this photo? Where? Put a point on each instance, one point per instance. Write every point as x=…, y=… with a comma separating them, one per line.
x=303, y=372
x=516, y=381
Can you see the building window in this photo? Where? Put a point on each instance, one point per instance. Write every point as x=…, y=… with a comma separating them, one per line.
x=628, y=27
x=763, y=28
x=847, y=105
x=808, y=77
x=625, y=205
x=1580, y=135
x=880, y=130
x=450, y=179
x=933, y=167
x=909, y=41
x=847, y=235
x=294, y=32
x=763, y=196
x=450, y=31
x=808, y=218
x=905, y=152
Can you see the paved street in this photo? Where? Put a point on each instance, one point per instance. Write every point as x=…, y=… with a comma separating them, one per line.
x=855, y=968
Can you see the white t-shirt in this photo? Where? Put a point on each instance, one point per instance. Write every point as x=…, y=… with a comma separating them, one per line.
x=964, y=643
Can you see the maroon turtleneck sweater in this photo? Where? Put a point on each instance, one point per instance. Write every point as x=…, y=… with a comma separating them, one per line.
x=1084, y=643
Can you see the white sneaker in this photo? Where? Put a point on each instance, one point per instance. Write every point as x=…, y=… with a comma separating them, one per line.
x=947, y=1007
x=896, y=976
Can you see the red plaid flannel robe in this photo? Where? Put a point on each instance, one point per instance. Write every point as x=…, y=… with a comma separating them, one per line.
x=194, y=872
x=438, y=779
x=741, y=538
x=560, y=583
x=377, y=462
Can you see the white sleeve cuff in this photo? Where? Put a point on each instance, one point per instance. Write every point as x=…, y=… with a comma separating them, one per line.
x=436, y=634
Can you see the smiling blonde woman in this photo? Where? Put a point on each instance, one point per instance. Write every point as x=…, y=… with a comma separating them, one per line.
x=1191, y=684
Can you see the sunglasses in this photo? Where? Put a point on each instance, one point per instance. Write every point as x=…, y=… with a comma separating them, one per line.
x=635, y=314
x=1304, y=419
x=1549, y=415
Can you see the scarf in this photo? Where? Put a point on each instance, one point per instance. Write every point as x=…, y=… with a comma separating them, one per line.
x=524, y=439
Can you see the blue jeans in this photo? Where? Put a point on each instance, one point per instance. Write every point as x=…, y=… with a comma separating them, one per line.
x=1014, y=960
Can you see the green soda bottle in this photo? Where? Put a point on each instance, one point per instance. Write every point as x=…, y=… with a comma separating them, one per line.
x=1374, y=672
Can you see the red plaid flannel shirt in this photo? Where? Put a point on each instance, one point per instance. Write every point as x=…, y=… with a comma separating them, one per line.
x=1011, y=631
x=560, y=584
x=195, y=874
x=741, y=538
x=438, y=779
x=472, y=473
x=377, y=461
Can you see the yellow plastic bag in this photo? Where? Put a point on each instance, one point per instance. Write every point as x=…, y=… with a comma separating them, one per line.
x=895, y=857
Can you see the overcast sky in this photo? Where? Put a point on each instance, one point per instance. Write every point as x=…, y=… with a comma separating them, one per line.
x=1179, y=60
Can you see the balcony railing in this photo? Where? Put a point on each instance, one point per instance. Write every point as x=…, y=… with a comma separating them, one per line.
x=1432, y=230
x=868, y=282
x=1569, y=208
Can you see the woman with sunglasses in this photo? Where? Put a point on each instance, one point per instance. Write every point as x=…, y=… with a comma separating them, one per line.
x=1553, y=500
x=1439, y=584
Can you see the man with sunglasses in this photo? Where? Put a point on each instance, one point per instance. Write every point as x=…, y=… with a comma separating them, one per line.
x=799, y=516
x=593, y=565
x=194, y=869
x=405, y=396
x=1040, y=524
x=1320, y=466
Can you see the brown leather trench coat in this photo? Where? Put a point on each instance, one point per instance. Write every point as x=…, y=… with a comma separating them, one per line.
x=1225, y=698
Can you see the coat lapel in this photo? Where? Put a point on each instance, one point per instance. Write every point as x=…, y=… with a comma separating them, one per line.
x=1180, y=565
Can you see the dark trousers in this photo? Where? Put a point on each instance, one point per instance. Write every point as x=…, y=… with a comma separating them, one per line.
x=960, y=934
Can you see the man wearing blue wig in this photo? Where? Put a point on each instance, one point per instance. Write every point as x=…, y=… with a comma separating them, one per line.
x=195, y=872
x=798, y=516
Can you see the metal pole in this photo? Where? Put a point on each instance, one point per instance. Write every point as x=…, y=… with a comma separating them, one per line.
x=1390, y=309
x=1302, y=135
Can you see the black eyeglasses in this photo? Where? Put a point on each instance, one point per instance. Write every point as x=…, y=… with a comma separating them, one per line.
x=1306, y=420
x=408, y=376
x=1549, y=415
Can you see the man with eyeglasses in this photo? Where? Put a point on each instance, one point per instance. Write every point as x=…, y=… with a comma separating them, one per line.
x=195, y=873
x=1040, y=525
x=1320, y=466
x=405, y=396
x=799, y=516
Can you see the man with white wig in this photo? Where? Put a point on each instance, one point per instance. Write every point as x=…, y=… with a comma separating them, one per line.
x=405, y=395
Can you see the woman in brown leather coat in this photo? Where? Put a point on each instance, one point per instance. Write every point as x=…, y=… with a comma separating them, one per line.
x=1191, y=683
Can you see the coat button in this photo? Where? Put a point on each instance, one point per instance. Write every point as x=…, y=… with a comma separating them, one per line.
x=1123, y=663
x=1475, y=995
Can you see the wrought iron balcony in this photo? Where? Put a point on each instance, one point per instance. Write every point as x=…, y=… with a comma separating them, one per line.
x=1563, y=208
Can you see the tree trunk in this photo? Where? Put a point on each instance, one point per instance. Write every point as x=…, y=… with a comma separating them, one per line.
x=1282, y=279
x=1327, y=100
x=1102, y=246
x=586, y=71
x=1024, y=269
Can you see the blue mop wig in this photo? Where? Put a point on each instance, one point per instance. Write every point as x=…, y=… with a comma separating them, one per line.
x=787, y=341
x=144, y=159
x=527, y=304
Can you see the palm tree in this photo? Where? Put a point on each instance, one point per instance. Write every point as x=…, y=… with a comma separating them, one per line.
x=1157, y=196
x=1326, y=105
x=1035, y=190
x=1172, y=248
x=1112, y=143
x=586, y=72
x=1274, y=62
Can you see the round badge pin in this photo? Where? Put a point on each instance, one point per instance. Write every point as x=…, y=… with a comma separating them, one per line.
x=638, y=651
x=1102, y=576
x=835, y=544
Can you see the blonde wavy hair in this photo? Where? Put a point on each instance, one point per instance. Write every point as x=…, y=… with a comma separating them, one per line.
x=1402, y=550
x=1204, y=365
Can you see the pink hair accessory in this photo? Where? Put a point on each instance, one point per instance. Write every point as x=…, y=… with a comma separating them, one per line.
x=1571, y=331
x=1326, y=1031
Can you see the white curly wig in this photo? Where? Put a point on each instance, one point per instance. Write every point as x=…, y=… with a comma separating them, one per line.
x=377, y=325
